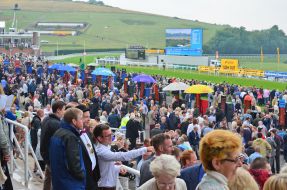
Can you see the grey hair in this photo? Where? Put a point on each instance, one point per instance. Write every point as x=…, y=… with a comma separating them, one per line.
x=165, y=164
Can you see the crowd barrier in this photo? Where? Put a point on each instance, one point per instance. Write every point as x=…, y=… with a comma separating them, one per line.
x=24, y=155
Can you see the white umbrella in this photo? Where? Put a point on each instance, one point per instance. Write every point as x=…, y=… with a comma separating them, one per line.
x=175, y=86
x=93, y=64
x=73, y=65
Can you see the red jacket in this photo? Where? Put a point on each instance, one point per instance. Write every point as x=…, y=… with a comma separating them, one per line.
x=260, y=176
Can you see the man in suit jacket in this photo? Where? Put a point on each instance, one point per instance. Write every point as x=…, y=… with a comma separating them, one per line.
x=89, y=154
x=133, y=127
x=156, y=130
x=192, y=176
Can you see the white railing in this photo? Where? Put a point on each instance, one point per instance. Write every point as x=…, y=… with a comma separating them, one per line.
x=132, y=170
x=27, y=147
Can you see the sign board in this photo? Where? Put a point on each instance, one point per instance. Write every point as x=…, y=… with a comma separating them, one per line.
x=184, y=41
x=229, y=64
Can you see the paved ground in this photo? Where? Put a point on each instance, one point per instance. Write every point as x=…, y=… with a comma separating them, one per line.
x=35, y=183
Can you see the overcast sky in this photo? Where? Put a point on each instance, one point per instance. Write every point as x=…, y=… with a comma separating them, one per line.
x=252, y=14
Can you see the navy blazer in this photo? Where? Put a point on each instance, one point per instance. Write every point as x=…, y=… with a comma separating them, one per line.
x=192, y=176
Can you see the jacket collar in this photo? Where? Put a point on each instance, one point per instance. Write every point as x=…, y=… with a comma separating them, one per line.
x=54, y=116
x=71, y=128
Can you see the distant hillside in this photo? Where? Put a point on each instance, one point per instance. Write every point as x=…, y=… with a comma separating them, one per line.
x=108, y=27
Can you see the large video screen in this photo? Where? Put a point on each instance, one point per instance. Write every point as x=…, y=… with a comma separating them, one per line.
x=184, y=42
x=135, y=54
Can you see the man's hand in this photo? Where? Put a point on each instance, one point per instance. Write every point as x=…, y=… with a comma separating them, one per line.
x=7, y=157
x=123, y=171
x=150, y=149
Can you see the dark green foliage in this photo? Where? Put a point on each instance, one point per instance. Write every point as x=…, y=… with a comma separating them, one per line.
x=240, y=41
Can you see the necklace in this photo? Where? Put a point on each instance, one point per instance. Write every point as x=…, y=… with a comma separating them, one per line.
x=88, y=145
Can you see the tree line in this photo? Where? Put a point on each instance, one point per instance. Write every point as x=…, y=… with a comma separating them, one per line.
x=240, y=41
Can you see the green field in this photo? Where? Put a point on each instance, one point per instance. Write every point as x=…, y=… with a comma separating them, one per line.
x=200, y=76
x=251, y=62
x=108, y=27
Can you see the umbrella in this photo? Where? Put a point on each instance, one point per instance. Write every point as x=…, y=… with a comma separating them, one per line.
x=73, y=65
x=199, y=89
x=66, y=68
x=143, y=78
x=55, y=66
x=93, y=64
x=103, y=72
x=175, y=86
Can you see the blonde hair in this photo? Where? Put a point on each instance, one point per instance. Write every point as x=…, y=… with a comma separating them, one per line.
x=276, y=182
x=284, y=169
x=165, y=164
x=218, y=144
x=93, y=123
x=26, y=114
x=242, y=180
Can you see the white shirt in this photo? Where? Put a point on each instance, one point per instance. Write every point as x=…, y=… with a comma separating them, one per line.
x=25, y=88
x=106, y=158
x=87, y=142
x=37, y=104
x=47, y=112
x=103, y=119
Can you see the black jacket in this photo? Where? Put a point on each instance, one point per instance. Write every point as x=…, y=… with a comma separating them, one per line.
x=92, y=176
x=133, y=127
x=35, y=126
x=49, y=126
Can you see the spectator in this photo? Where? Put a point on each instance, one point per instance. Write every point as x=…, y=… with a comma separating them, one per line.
x=49, y=126
x=219, y=153
x=156, y=130
x=279, y=141
x=114, y=120
x=5, y=180
x=255, y=155
x=188, y=158
x=104, y=117
x=260, y=170
x=88, y=151
x=165, y=169
x=194, y=139
x=242, y=181
x=133, y=127
x=183, y=144
x=278, y=182
x=265, y=147
x=35, y=126
x=192, y=176
x=110, y=171
x=162, y=145
x=272, y=153
x=67, y=166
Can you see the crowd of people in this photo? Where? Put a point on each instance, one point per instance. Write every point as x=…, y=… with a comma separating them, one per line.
x=72, y=121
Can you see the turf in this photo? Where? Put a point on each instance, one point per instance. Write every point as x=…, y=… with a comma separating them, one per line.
x=185, y=74
x=109, y=27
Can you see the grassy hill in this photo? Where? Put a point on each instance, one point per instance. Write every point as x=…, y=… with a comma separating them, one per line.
x=109, y=27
